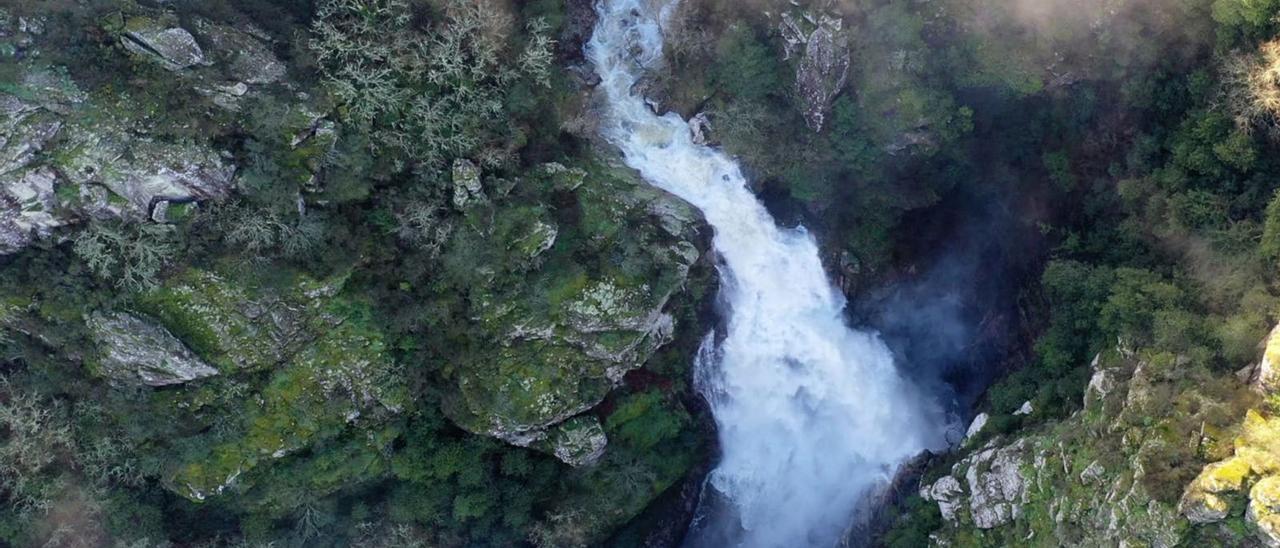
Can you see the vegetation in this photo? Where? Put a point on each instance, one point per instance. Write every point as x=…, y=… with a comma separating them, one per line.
x=420, y=216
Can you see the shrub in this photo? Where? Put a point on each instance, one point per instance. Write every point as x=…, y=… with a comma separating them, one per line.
x=130, y=254
x=35, y=437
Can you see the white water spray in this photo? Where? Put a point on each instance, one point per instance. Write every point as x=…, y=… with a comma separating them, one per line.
x=812, y=415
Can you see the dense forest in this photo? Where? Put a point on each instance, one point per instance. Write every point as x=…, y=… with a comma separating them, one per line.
x=363, y=272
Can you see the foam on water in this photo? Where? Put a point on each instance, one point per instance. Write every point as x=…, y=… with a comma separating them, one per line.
x=812, y=415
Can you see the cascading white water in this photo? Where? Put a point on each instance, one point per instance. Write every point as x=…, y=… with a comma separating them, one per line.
x=812, y=414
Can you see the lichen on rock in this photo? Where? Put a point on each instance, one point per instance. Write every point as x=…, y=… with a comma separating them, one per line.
x=133, y=350
x=569, y=325
x=822, y=45
x=65, y=159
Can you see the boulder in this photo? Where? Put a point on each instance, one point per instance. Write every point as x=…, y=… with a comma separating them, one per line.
x=242, y=53
x=579, y=441
x=134, y=350
x=542, y=235
x=1206, y=499
x=320, y=372
x=28, y=208
x=140, y=170
x=1093, y=473
x=996, y=487
x=993, y=487
x=171, y=47
x=62, y=162
x=1024, y=409
x=947, y=493
x=1266, y=377
x=1256, y=458
x=1263, y=514
x=1101, y=383
x=700, y=129
x=25, y=129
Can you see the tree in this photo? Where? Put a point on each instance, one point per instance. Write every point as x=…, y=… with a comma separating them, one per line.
x=428, y=95
x=1251, y=88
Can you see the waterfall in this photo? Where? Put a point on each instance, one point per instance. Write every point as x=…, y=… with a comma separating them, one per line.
x=812, y=415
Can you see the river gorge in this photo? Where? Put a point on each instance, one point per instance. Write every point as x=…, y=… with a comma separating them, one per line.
x=812, y=414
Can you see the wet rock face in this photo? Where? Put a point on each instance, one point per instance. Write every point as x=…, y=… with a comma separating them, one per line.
x=133, y=350
x=823, y=69
x=576, y=297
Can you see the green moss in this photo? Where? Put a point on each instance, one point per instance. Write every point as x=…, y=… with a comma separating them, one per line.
x=328, y=366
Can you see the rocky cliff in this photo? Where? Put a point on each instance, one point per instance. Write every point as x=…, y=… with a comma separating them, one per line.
x=1162, y=453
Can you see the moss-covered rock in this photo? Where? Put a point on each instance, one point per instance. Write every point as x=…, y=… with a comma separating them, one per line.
x=581, y=267
x=1264, y=510
x=325, y=369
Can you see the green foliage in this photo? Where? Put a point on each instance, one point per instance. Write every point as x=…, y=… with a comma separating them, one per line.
x=1244, y=17
x=129, y=255
x=427, y=94
x=912, y=528
x=746, y=68
x=1269, y=247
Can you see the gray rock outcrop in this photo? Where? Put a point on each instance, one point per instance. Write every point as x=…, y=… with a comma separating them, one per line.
x=133, y=350
x=993, y=487
x=825, y=58
x=467, y=188
x=171, y=47
x=60, y=166
x=242, y=52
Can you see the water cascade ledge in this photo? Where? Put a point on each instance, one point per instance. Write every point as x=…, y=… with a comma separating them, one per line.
x=812, y=414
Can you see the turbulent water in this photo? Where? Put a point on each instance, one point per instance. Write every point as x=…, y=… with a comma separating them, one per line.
x=812, y=415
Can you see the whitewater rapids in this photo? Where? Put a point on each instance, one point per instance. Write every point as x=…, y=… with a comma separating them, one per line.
x=812, y=415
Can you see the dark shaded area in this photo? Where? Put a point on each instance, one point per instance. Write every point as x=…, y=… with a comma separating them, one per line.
x=953, y=313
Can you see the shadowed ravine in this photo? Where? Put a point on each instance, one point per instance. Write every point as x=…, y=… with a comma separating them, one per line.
x=812, y=415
